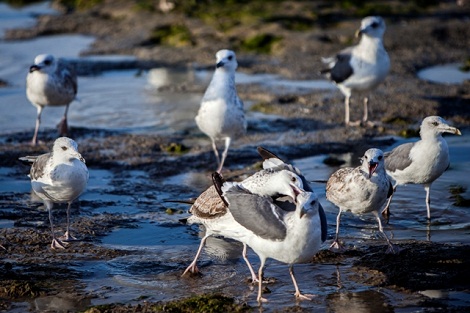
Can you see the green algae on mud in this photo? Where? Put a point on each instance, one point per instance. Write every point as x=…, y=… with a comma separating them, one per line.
x=198, y=304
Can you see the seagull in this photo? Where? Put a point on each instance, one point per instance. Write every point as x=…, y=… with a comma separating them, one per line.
x=361, y=190
x=60, y=176
x=212, y=211
x=50, y=83
x=288, y=229
x=207, y=210
x=361, y=67
x=421, y=162
x=221, y=115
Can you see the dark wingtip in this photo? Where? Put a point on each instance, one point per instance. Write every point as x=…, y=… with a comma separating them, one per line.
x=266, y=154
x=218, y=181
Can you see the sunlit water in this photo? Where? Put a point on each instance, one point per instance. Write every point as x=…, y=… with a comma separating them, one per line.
x=132, y=101
x=167, y=245
x=126, y=100
x=445, y=74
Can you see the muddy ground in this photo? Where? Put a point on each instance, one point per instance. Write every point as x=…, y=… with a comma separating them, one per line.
x=307, y=124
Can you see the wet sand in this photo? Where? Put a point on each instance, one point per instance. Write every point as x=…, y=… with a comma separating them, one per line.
x=306, y=125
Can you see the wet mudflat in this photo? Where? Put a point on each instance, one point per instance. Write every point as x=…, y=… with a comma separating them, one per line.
x=133, y=246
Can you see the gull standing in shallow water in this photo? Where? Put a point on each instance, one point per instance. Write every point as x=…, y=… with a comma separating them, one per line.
x=221, y=115
x=211, y=210
x=361, y=67
x=288, y=229
x=60, y=176
x=50, y=83
x=421, y=162
x=361, y=190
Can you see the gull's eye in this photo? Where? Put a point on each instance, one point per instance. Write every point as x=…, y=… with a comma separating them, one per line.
x=64, y=148
x=47, y=62
x=230, y=57
x=293, y=179
x=374, y=25
x=380, y=157
x=435, y=123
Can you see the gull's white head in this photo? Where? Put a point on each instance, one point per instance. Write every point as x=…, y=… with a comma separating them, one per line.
x=285, y=183
x=373, y=161
x=372, y=26
x=274, y=182
x=435, y=126
x=66, y=148
x=226, y=59
x=45, y=63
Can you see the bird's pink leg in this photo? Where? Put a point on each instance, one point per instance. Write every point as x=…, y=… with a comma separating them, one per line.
x=193, y=267
x=260, y=299
x=336, y=244
x=298, y=295
x=36, y=129
x=253, y=274
x=63, y=126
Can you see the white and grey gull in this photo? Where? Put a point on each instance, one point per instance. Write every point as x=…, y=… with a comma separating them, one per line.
x=50, y=83
x=60, y=176
x=211, y=211
x=221, y=115
x=363, y=189
x=362, y=67
x=289, y=230
x=277, y=186
x=423, y=161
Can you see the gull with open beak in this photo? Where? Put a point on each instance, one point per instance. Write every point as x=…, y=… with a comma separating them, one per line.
x=363, y=189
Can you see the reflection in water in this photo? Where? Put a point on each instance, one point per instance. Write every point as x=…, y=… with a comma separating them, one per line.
x=61, y=303
x=358, y=302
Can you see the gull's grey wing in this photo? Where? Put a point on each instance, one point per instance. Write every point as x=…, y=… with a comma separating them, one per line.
x=39, y=165
x=68, y=76
x=256, y=213
x=398, y=158
x=341, y=69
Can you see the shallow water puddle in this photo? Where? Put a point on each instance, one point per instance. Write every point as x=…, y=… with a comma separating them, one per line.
x=444, y=74
x=449, y=223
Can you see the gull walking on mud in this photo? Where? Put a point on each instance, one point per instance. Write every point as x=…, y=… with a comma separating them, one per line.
x=363, y=189
x=287, y=229
x=60, y=176
x=361, y=67
x=221, y=115
x=50, y=83
x=421, y=162
x=211, y=210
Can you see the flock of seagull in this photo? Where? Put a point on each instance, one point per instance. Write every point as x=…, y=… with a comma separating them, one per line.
x=275, y=212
